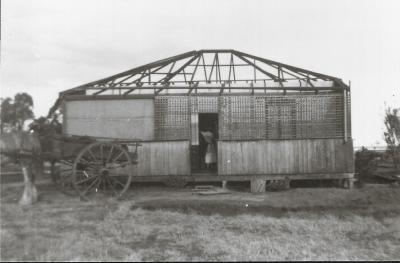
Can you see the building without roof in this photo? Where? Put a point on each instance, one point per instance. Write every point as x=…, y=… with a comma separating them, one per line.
x=270, y=120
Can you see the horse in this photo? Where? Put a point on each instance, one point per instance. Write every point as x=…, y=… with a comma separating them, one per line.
x=24, y=148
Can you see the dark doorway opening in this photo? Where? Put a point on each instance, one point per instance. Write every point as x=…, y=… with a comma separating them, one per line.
x=208, y=125
x=204, y=159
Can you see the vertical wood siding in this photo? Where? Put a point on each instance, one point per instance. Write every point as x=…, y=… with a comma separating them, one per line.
x=285, y=156
x=163, y=158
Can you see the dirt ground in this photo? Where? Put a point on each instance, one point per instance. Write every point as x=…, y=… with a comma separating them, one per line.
x=156, y=223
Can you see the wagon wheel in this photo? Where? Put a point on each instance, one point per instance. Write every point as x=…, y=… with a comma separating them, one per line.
x=102, y=169
x=61, y=174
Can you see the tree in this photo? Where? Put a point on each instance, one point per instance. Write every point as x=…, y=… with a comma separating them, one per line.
x=15, y=112
x=392, y=134
x=46, y=129
x=23, y=105
x=7, y=113
x=365, y=163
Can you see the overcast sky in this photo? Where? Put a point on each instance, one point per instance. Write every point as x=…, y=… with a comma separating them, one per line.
x=50, y=46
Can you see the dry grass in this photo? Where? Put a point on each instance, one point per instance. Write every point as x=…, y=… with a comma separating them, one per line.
x=58, y=228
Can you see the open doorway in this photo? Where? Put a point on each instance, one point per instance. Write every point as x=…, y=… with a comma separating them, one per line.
x=208, y=136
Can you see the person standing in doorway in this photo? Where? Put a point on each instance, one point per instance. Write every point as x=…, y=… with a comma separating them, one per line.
x=211, y=155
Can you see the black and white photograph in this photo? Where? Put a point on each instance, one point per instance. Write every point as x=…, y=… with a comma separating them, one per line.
x=199, y=130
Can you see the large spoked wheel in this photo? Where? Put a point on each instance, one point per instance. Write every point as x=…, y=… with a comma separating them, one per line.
x=61, y=174
x=101, y=170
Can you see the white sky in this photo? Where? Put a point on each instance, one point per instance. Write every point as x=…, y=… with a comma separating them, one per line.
x=50, y=46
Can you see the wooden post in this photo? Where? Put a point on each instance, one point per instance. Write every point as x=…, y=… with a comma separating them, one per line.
x=351, y=183
x=345, y=115
x=64, y=117
x=348, y=183
x=257, y=185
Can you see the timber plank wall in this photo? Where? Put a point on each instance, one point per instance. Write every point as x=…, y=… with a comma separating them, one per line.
x=285, y=157
x=163, y=158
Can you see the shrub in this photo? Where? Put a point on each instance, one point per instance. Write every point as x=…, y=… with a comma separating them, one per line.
x=366, y=163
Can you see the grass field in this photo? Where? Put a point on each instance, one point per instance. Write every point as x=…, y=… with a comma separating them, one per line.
x=155, y=224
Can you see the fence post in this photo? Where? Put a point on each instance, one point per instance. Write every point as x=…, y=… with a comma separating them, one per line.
x=345, y=115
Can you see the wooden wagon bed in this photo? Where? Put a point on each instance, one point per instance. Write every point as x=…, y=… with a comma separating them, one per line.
x=90, y=166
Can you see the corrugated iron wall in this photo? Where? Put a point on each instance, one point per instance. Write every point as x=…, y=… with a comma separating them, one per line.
x=294, y=116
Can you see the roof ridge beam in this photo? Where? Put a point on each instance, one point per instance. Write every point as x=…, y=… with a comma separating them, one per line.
x=216, y=50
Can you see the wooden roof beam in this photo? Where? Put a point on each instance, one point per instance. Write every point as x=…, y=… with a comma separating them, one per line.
x=171, y=75
x=195, y=69
x=100, y=91
x=156, y=92
x=212, y=68
x=216, y=51
x=222, y=88
x=138, y=69
x=149, y=73
x=138, y=85
x=243, y=87
x=292, y=68
x=257, y=67
x=193, y=87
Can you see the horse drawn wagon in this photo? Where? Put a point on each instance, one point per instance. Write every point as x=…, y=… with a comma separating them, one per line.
x=91, y=166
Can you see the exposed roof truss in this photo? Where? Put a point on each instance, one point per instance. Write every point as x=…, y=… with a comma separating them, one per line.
x=220, y=71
